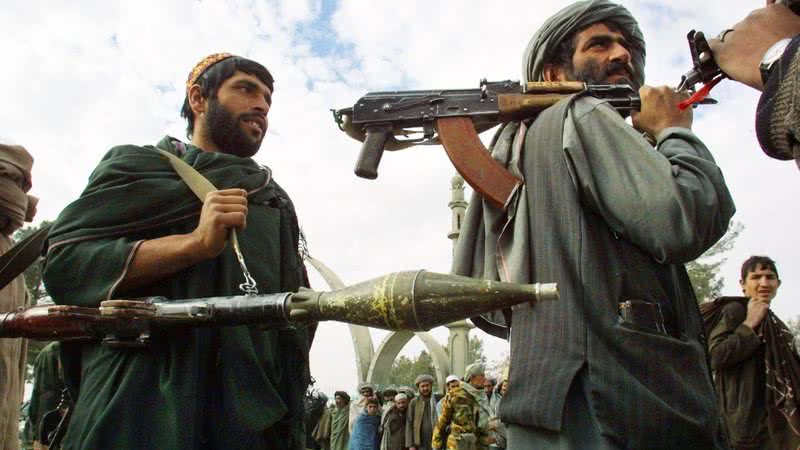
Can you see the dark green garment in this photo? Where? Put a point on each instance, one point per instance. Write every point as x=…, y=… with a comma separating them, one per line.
x=47, y=385
x=737, y=357
x=232, y=388
x=340, y=427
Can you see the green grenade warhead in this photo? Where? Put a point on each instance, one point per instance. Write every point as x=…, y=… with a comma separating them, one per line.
x=414, y=301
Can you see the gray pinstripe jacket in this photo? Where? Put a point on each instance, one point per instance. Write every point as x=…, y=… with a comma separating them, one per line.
x=609, y=219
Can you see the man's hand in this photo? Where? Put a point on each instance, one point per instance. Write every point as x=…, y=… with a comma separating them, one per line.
x=660, y=110
x=740, y=54
x=222, y=211
x=756, y=312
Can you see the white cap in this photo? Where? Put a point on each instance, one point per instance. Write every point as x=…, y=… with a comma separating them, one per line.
x=450, y=378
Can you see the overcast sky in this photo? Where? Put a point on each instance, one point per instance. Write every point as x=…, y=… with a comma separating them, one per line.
x=79, y=80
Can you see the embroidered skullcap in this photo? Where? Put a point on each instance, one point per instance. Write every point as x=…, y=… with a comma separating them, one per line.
x=473, y=370
x=544, y=43
x=400, y=396
x=204, y=65
x=423, y=377
x=451, y=378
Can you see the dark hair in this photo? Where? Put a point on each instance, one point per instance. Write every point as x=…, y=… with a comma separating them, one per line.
x=752, y=263
x=373, y=401
x=212, y=79
x=389, y=391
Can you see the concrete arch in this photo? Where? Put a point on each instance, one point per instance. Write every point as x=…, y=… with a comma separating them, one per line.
x=362, y=341
x=394, y=342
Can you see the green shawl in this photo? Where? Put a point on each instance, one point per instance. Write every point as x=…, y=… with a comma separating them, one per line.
x=340, y=427
x=234, y=387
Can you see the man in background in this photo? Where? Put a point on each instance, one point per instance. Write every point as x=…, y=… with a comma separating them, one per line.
x=393, y=424
x=421, y=415
x=366, y=391
x=755, y=363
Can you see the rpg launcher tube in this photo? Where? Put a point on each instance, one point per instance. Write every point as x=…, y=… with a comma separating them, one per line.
x=413, y=301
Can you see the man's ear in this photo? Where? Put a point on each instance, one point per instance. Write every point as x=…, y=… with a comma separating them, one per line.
x=196, y=100
x=741, y=284
x=552, y=72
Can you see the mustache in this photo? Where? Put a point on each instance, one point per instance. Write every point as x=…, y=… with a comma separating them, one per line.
x=617, y=66
x=251, y=116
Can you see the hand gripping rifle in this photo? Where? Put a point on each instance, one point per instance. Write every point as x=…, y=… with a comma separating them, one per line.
x=704, y=68
x=454, y=117
x=411, y=301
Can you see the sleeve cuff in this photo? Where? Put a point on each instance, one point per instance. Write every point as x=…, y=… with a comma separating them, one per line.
x=680, y=132
x=746, y=332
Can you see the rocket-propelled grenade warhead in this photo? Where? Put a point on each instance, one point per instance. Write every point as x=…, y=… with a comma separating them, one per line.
x=412, y=301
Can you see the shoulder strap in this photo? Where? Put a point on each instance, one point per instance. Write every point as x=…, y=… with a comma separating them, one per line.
x=201, y=187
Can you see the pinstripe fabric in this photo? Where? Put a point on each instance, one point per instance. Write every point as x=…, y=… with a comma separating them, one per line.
x=600, y=211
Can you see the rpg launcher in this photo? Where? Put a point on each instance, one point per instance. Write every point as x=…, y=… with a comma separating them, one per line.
x=411, y=301
x=454, y=117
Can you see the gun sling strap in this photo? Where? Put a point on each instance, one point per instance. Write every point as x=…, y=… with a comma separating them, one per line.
x=21, y=256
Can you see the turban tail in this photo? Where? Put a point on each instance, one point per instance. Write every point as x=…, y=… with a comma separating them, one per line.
x=575, y=17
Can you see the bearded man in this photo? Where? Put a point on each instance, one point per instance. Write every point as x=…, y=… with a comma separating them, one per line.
x=618, y=361
x=393, y=424
x=138, y=231
x=333, y=431
x=422, y=415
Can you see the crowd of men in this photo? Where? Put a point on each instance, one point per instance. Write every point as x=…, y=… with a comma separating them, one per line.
x=620, y=361
x=464, y=415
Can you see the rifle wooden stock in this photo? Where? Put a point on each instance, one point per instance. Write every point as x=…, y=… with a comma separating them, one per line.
x=524, y=106
x=470, y=158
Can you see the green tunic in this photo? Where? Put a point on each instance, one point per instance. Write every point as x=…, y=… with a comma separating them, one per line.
x=233, y=388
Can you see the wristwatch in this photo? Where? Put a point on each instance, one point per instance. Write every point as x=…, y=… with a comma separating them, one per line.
x=772, y=56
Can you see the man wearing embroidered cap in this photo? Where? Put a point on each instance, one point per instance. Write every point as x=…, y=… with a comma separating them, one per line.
x=139, y=231
x=618, y=361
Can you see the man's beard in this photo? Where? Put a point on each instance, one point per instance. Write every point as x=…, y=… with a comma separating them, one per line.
x=226, y=132
x=593, y=73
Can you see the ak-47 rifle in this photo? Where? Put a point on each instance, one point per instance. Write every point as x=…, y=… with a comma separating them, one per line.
x=454, y=117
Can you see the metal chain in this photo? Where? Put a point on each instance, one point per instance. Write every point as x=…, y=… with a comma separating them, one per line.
x=249, y=286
